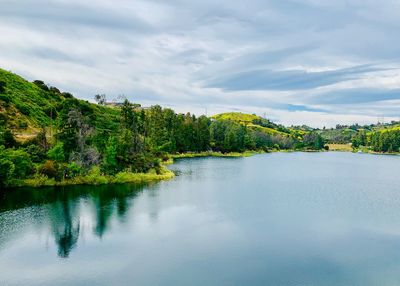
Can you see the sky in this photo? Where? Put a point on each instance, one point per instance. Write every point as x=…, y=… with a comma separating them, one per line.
x=314, y=62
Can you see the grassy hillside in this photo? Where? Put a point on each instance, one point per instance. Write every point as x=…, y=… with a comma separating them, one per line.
x=26, y=107
x=254, y=122
x=24, y=104
x=243, y=118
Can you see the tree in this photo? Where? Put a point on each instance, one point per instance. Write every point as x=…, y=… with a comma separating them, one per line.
x=7, y=168
x=360, y=139
x=41, y=84
x=8, y=139
x=110, y=156
x=57, y=152
x=313, y=140
x=22, y=162
x=100, y=99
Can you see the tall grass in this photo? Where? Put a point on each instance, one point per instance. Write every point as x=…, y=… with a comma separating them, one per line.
x=94, y=177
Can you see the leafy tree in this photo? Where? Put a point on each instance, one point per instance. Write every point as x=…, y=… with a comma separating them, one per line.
x=7, y=169
x=100, y=99
x=360, y=139
x=313, y=140
x=7, y=138
x=110, y=156
x=57, y=152
x=41, y=84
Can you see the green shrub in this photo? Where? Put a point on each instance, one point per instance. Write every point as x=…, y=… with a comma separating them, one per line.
x=73, y=170
x=7, y=139
x=7, y=168
x=37, y=154
x=94, y=177
x=49, y=169
x=41, y=84
x=57, y=152
x=22, y=161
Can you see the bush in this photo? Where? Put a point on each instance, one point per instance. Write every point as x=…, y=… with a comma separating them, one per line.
x=94, y=177
x=57, y=153
x=22, y=161
x=54, y=89
x=7, y=138
x=37, y=154
x=49, y=169
x=73, y=170
x=6, y=171
x=67, y=95
x=41, y=84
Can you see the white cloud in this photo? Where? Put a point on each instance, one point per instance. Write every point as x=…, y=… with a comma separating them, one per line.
x=168, y=52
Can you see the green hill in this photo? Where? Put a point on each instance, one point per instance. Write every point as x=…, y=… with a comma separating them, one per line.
x=240, y=117
x=26, y=107
x=254, y=122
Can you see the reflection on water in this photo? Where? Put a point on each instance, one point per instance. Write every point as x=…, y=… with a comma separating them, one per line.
x=63, y=209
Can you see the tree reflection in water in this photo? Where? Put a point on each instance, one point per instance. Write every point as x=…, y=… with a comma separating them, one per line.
x=63, y=210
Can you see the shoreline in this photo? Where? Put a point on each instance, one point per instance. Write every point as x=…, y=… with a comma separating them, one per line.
x=94, y=177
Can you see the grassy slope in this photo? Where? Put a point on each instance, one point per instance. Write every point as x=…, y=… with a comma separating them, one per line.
x=248, y=120
x=340, y=147
x=237, y=117
x=25, y=107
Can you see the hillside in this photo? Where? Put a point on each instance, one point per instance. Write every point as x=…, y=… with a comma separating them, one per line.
x=26, y=107
x=254, y=122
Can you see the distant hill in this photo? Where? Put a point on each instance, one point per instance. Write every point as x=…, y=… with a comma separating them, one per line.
x=256, y=123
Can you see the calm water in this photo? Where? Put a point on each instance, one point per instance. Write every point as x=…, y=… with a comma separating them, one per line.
x=273, y=219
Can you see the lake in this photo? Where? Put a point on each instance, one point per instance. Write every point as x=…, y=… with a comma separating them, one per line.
x=271, y=219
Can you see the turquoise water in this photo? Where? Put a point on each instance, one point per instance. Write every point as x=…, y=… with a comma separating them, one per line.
x=273, y=219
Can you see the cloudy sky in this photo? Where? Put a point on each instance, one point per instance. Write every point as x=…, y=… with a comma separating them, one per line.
x=318, y=62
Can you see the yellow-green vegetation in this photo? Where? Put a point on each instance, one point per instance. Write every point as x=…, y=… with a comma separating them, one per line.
x=388, y=129
x=340, y=147
x=95, y=177
x=253, y=122
x=237, y=117
x=266, y=130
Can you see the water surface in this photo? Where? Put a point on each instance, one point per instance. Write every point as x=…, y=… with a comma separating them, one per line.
x=273, y=219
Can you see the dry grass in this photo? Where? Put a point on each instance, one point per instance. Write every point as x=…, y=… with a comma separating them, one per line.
x=340, y=147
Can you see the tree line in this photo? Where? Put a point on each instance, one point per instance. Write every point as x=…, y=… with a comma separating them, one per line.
x=385, y=141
